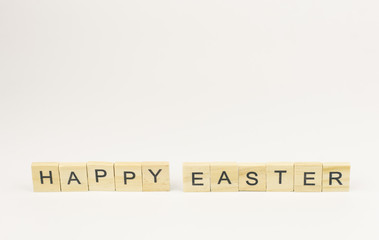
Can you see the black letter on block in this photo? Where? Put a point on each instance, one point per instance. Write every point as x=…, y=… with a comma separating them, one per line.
x=42, y=177
x=195, y=178
x=335, y=178
x=224, y=179
x=126, y=178
x=155, y=175
x=252, y=178
x=280, y=175
x=73, y=177
x=97, y=174
x=308, y=178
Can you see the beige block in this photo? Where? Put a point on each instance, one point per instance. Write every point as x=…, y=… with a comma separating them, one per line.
x=128, y=176
x=252, y=176
x=46, y=177
x=280, y=177
x=224, y=177
x=73, y=177
x=100, y=176
x=308, y=177
x=155, y=176
x=336, y=177
x=196, y=177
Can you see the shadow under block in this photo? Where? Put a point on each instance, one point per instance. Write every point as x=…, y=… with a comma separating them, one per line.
x=73, y=177
x=155, y=176
x=252, y=176
x=196, y=177
x=224, y=177
x=336, y=177
x=308, y=177
x=100, y=176
x=46, y=177
x=128, y=176
x=280, y=177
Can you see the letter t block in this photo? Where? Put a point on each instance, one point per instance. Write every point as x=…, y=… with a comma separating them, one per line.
x=280, y=177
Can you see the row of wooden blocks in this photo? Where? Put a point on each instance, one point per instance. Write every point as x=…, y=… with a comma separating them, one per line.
x=197, y=177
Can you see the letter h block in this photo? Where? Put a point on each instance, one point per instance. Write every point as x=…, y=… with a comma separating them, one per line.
x=46, y=177
x=196, y=177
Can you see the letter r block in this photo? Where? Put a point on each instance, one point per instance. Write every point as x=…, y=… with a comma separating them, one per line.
x=73, y=177
x=224, y=177
x=46, y=177
x=196, y=177
x=155, y=176
x=280, y=177
x=128, y=176
x=100, y=176
x=336, y=177
x=308, y=177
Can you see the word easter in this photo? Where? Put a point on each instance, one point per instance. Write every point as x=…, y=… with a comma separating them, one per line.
x=272, y=177
x=197, y=177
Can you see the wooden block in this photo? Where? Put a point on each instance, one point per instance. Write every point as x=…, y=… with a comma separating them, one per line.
x=73, y=177
x=128, y=176
x=100, y=176
x=336, y=177
x=308, y=177
x=224, y=177
x=155, y=176
x=252, y=176
x=196, y=177
x=280, y=177
x=46, y=177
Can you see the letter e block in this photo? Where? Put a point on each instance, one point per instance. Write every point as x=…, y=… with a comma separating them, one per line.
x=128, y=176
x=155, y=176
x=46, y=177
x=224, y=177
x=308, y=177
x=196, y=177
x=336, y=177
x=252, y=176
x=280, y=177
x=73, y=177
x=100, y=176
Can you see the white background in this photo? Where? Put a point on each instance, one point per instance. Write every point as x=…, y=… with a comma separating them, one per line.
x=192, y=80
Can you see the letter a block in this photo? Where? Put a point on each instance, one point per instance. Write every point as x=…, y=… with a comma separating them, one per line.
x=252, y=176
x=224, y=177
x=100, y=176
x=196, y=177
x=308, y=177
x=336, y=177
x=73, y=177
x=155, y=176
x=128, y=176
x=280, y=177
x=46, y=177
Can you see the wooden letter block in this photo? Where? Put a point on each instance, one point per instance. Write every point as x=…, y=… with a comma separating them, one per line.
x=308, y=177
x=73, y=177
x=100, y=176
x=336, y=177
x=196, y=177
x=155, y=176
x=46, y=177
x=224, y=177
x=280, y=177
x=252, y=176
x=128, y=176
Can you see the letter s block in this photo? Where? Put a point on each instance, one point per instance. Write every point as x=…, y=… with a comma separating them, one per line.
x=252, y=176
x=336, y=177
x=155, y=176
x=196, y=177
x=46, y=177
